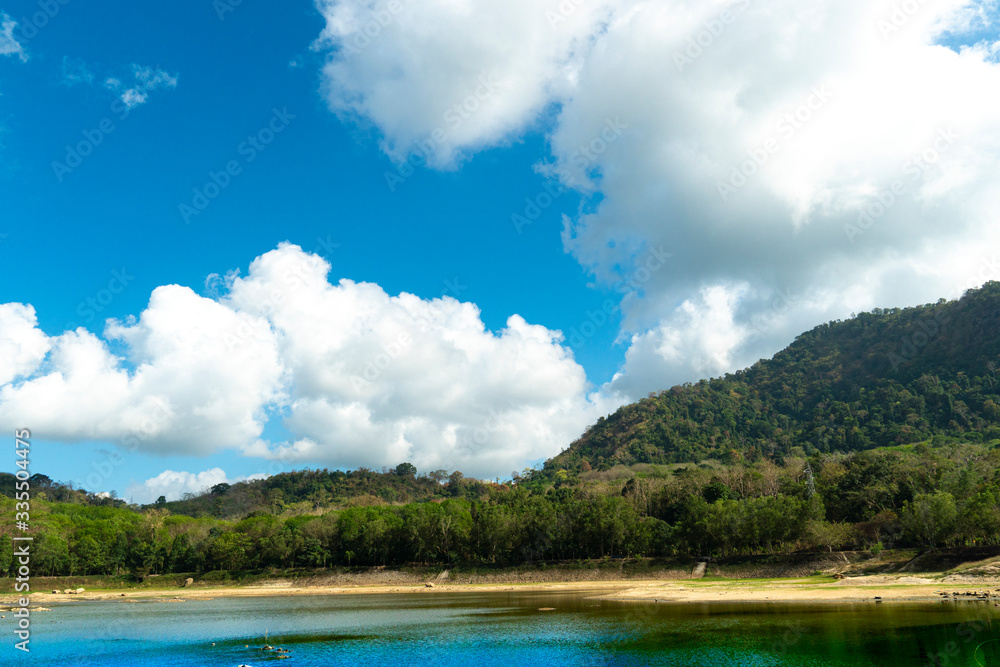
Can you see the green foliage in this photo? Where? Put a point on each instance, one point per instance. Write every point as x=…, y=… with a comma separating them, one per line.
x=882, y=430
x=930, y=518
x=901, y=496
x=881, y=379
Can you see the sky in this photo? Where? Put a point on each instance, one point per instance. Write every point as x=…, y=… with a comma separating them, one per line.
x=241, y=238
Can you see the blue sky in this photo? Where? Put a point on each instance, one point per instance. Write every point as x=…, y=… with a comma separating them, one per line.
x=320, y=184
x=92, y=243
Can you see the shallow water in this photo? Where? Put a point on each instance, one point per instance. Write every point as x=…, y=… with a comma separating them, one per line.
x=472, y=629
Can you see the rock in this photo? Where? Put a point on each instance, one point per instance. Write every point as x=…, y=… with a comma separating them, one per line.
x=80, y=590
x=838, y=576
x=188, y=582
x=68, y=591
x=429, y=585
x=55, y=592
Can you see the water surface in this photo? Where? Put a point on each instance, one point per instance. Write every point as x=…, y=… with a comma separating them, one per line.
x=507, y=629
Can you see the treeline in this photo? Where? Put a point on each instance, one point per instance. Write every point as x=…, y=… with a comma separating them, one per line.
x=298, y=491
x=905, y=496
x=57, y=491
x=880, y=379
x=512, y=526
x=309, y=490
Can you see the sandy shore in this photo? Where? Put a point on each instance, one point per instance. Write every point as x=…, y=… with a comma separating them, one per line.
x=854, y=589
x=867, y=588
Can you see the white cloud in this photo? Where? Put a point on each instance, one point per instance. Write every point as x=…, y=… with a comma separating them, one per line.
x=839, y=100
x=450, y=75
x=360, y=377
x=22, y=345
x=382, y=379
x=173, y=485
x=144, y=81
x=9, y=46
x=188, y=393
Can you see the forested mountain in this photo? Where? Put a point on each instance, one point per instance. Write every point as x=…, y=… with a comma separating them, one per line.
x=882, y=378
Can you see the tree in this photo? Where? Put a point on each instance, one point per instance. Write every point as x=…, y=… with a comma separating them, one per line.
x=229, y=551
x=980, y=518
x=51, y=555
x=162, y=500
x=89, y=554
x=406, y=470
x=6, y=556
x=930, y=518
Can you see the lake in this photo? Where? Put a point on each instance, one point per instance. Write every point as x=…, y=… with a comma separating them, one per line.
x=507, y=629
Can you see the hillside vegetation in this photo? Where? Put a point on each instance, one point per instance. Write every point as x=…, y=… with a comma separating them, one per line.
x=876, y=433
x=883, y=378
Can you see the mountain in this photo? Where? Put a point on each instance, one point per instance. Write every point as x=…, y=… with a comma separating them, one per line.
x=882, y=378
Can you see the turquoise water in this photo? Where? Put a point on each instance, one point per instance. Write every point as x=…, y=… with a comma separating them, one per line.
x=470, y=630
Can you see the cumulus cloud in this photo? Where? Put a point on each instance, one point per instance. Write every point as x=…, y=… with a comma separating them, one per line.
x=144, y=81
x=22, y=345
x=9, y=46
x=173, y=485
x=380, y=378
x=443, y=77
x=799, y=162
x=179, y=389
x=359, y=377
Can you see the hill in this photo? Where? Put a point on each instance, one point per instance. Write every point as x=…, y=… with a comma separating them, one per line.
x=883, y=378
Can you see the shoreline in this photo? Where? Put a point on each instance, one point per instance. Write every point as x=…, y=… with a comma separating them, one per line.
x=876, y=588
